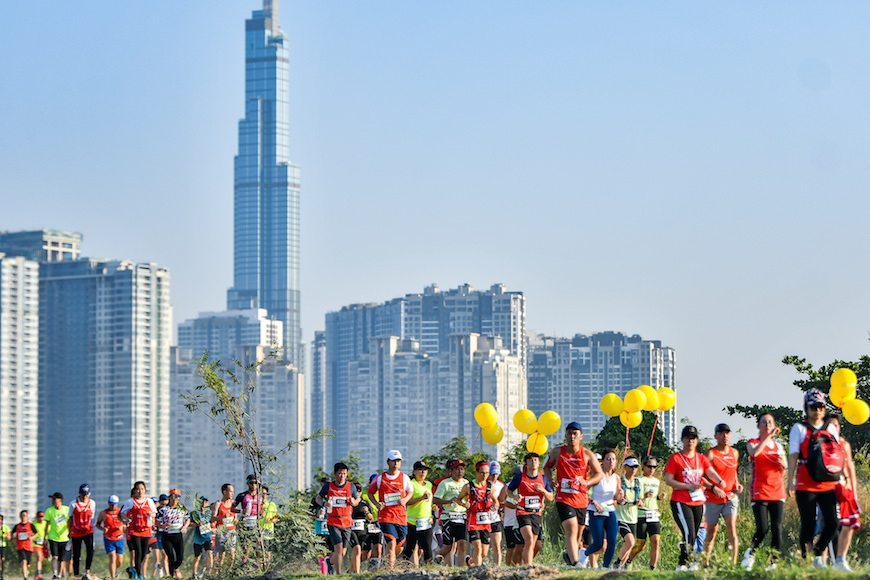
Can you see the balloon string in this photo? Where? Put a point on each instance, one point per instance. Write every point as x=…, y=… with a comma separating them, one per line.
x=475, y=441
x=625, y=451
x=653, y=434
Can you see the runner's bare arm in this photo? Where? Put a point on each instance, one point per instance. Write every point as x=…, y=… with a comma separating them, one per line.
x=595, y=467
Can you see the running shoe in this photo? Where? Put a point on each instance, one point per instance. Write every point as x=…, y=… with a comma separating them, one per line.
x=582, y=559
x=748, y=560
x=842, y=566
x=819, y=563
x=567, y=559
x=693, y=567
x=468, y=561
x=680, y=569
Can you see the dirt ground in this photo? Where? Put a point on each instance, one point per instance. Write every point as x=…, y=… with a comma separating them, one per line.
x=476, y=573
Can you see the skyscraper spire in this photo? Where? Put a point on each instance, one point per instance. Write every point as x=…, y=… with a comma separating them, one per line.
x=270, y=11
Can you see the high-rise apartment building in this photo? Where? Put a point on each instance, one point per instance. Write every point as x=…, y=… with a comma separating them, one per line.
x=42, y=245
x=266, y=191
x=431, y=318
x=570, y=375
x=19, y=376
x=104, y=337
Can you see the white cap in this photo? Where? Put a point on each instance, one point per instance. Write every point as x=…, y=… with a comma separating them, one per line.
x=394, y=454
x=113, y=499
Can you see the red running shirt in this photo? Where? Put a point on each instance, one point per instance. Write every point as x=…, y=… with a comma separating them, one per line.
x=112, y=523
x=388, y=492
x=688, y=470
x=766, y=483
x=81, y=518
x=725, y=464
x=339, y=514
x=479, y=511
x=570, y=468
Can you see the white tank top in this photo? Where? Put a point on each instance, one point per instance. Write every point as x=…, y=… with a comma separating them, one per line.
x=603, y=493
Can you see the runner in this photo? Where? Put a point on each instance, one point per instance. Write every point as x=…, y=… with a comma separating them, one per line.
x=481, y=502
x=268, y=518
x=5, y=537
x=172, y=523
x=361, y=516
x=533, y=491
x=648, y=519
x=626, y=511
x=846, y=496
x=722, y=503
x=138, y=515
x=24, y=532
x=808, y=492
x=57, y=517
x=684, y=472
x=766, y=490
x=602, y=512
x=392, y=491
x=373, y=545
x=339, y=497
x=419, y=517
x=573, y=464
x=513, y=550
x=496, y=524
x=225, y=519
x=202, y=537
x=453, y=513
x=109, y=522
x=40, y=544
x=81, y=528
x=155, y=543
x=248, y=506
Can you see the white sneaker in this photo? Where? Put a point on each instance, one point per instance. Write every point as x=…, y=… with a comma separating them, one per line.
x=842, y=566
x=819, y=563
x=582, y=559
x=748, y=560
x=681, y=569
x=693, y=567
x=771, y=567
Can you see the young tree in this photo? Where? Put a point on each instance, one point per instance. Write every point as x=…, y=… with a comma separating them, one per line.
x=613, y=435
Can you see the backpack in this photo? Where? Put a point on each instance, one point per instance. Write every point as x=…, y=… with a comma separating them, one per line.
x=824, y=460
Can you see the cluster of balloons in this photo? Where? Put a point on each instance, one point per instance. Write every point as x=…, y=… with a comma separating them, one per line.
x=487, y=417
x=643, y=398
x=843, y=393
x=537, y=428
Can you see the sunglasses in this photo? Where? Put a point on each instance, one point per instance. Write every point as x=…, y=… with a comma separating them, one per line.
x=651, y=465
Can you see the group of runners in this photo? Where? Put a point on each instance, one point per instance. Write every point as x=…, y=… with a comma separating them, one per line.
x=148, y=526
x=397, y=515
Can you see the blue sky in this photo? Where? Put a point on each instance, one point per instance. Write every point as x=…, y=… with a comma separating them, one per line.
x=692, y=172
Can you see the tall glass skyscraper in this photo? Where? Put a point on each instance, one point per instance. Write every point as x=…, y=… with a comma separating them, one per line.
x=266, y=223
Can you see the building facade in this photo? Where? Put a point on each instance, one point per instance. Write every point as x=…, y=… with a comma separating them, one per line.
x=19, y=383
x=266, y=191
x=104, y=339
x=570, y=375
x=42, y=245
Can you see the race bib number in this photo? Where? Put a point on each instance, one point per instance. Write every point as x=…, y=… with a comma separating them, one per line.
x=175, y=526
x=494, y=517
x=39, y=541
x=697, y=495
x=359, y=525
x=423, y=524
x=392, y=498
x=652, y=516
x=320, y=528
x=374, y=529
x=60, y=520
x=339, y=502
x=568, y=486
x=23, y=536
x=533, y=503
x=457, y=517
x=250, y=521
x=205, y=529
x=483, y=518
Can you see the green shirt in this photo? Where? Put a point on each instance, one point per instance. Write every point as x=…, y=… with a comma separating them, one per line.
x=649, y=484
x=422, y=509
x=627, y=512
x=58, y=527
x=270, y=510
x=5, y=531
x=448, y=489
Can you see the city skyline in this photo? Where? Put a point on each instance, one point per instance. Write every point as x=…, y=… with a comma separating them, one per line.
x=676, y=174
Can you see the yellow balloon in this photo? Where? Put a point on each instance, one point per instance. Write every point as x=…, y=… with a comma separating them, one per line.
x=856, y=412
x=611, y=405
x=537, y=443
x=549, y=422
x=844, y=378
x=634, y=401
x=485, y=415
x=525, y=421
x=493, y=435
x=631, y=420
x=841, y=394
x=652, y=400
x=667, y=398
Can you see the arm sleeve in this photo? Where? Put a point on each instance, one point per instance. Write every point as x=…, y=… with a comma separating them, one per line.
x=353, y=492
x=408, y=487
x=515, y=482
x=547, y=485
x=795, y=437
x=373, y=487
x=671, y=466
x=127, y=506
x=438, y=491
x=324, y=491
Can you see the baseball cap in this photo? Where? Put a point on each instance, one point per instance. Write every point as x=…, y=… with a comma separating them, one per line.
x=174, y=492
x=598, y=456
x=454, y=463
x=689, y=431
x=631, y=462
x=394, y=455
x=163, y=497
x=113, y=500
x=723, y=428
x=251, y=477
x=372, y=477
x=573, y=425
x=420, y=465
x=814, y=397
x=85, y=489
x=40, y=514
x=56, y=495
x=494, y=467
x=203, y=498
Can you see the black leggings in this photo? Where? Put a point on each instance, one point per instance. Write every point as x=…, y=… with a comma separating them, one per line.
x=422, y=539
x=688, y=518
x=827, y=502
x=768, y=513
x=88, y=541
x=173, y=545
x=139, y=547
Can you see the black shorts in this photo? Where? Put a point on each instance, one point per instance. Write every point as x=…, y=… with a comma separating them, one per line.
x=475, y=535
x=372, y=540
x=533, y=520
x=496, y=527
x=339, y=535
x=358, y=538
x=453, y=532
x=24, y=556
x=586, y=537
x=626, y=528
x=58, y=550
x=509, y=538
x=645, y=530
x=566, y=512
x=200, y=548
